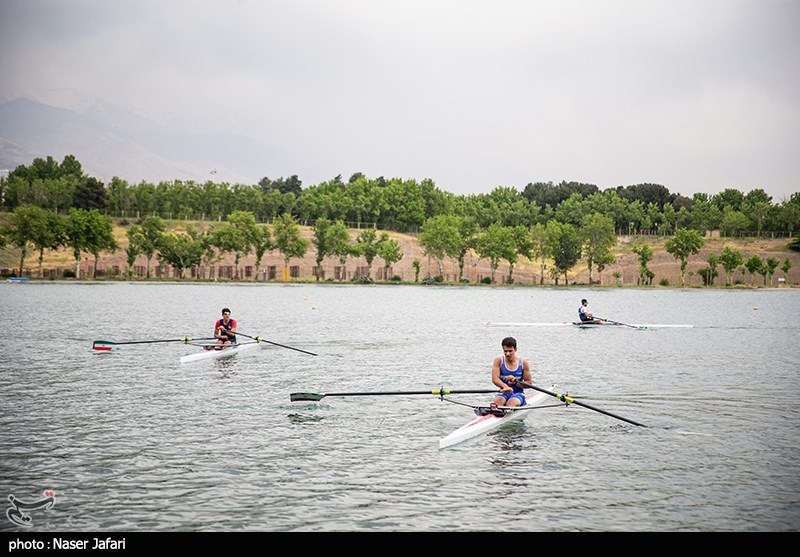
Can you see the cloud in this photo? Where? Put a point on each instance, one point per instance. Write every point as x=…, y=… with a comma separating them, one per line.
x=697, y=96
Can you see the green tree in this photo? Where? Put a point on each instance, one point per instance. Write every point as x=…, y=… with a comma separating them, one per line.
x=564, y=244
x=77, y=235
x=262, y=243
x=148, y=242
x=28, y=227
x=540, y=248
x=645, y=254
x=101, y=236
x=135, y=240
x=321, y=241
x=684, y=243
x=288, y=240
x=730, y=259
x=710, y=273
x=787, y=264
x=496, y=243
x=770, y=264
x=236, y=236
x=598, y=231
x=754, y=265
x=368, y=245
x=90, y=193
x=391, y=252
x=89, y=231
x=416, y=266
x=181, y=251
x=440, y=237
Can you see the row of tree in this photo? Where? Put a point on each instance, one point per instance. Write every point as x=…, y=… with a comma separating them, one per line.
x=561, y=245
x=89, y=231
x=401, y=204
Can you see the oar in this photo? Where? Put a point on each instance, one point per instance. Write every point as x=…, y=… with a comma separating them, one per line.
x=618, y=323
x=568, y=400
x=259, y=339
x=107, y=344
x=294, y=397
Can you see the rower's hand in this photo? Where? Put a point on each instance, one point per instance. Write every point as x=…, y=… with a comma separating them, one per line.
x=506, y=388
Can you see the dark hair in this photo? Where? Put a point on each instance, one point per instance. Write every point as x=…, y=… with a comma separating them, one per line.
x=225, y=310
x=584, y=301
x=511, y=342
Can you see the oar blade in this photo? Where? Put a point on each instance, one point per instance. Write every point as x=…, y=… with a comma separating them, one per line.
x=312, y=397
x=102, y=345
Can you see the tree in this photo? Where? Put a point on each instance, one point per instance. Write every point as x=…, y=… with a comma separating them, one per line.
x=645, y=254
x=710, y=273
x=101, y=236
x=770, y=264
x=440, y=237
x=754, y=265
x=539, y=247
x=391, y=252
x=496, y=243
x=262, y=243
x=149, y=238
x=236, y=236
x=684, y=243
x=91, y=232
x=32, y=225
x=368, y=245
x=598, y=231
x=180, y=251
x=564, y=244
x=321, y=242
x=132, y=251
x=288, y=240
x=787, y=264
x=90, y=193
x=416, y=266
x=330, y=239
x=730, y=259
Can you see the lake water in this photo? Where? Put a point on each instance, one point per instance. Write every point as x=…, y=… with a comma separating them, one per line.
x=133, y=440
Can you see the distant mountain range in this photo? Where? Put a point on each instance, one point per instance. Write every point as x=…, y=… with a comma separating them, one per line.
x=112, y=141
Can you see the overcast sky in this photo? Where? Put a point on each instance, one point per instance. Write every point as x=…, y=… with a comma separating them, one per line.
x=696, y=95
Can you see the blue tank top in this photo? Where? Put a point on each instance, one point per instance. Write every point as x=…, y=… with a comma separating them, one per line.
x=517, y=373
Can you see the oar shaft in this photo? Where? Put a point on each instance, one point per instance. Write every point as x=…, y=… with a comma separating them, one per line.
x=617, y=322
x=259, y=339
x=436, y=392
x=569, y=400
x=185, y=339
x=315, y=397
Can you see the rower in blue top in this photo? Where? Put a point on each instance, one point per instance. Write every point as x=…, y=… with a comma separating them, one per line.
x=507, y=370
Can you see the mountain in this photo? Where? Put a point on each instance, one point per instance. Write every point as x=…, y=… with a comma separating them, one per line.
x=109, y=141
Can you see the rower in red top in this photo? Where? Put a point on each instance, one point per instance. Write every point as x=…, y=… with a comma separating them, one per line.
x=225, y=329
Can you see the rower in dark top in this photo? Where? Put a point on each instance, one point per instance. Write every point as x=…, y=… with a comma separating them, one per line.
x=585, y=314
x=225, y=329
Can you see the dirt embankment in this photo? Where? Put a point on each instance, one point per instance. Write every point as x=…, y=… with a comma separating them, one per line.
x=625, y=270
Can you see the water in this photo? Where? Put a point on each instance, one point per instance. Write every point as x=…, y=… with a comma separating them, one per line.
x=133, y=440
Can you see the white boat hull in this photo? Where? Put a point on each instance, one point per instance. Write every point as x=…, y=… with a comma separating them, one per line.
x=489, y=422
x=213, y=354
x=577, y=325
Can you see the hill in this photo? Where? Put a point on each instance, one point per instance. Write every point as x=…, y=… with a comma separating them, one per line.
x=664, y=265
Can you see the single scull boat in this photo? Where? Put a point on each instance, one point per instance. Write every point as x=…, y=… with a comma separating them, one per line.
x=489, y=420
x=211, y=352
x=580, y=325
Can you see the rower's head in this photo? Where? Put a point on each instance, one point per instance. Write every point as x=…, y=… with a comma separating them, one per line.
x=226, y=312
x=584, y=302
x=509, y=345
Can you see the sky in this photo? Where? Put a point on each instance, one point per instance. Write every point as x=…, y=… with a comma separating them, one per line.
x=695, y=95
